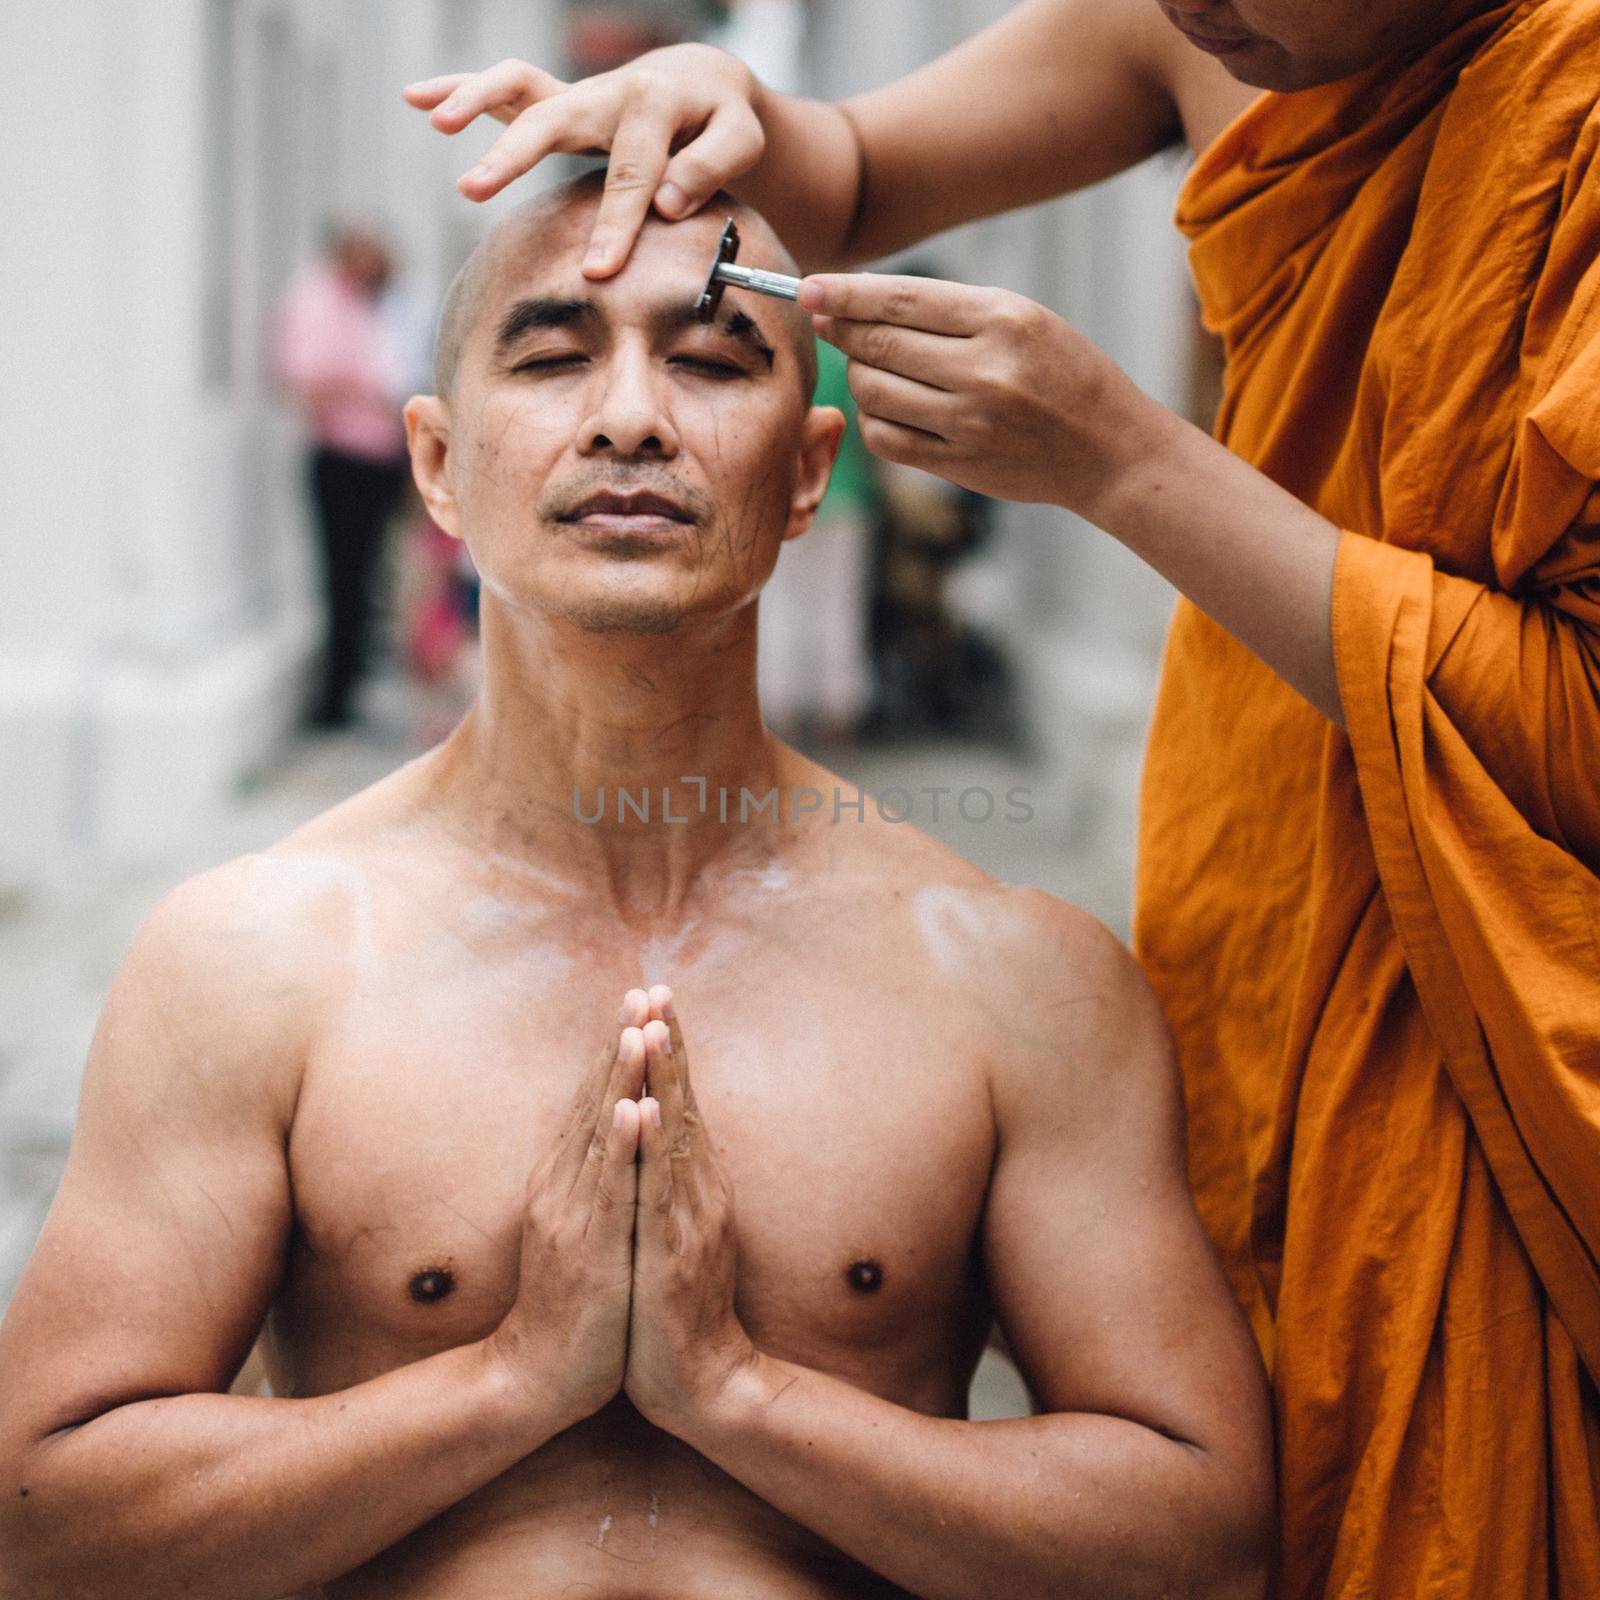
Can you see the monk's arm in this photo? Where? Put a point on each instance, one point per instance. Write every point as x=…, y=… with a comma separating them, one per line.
x=1147, y=1469
x=126, y=1469
x=1250, y=555
x=1083, y=99
x=1515, y=676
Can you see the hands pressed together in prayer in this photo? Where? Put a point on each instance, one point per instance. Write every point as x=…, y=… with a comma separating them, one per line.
x=628, y=1255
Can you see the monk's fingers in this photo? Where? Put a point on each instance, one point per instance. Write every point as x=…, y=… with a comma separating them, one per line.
x=571, y=122
x=931, y=304
x=640, y=149
x=938, y=359
x=891, y=398
x=729, y=144
x=426, y=93
x=910, y=447
x=503, y=91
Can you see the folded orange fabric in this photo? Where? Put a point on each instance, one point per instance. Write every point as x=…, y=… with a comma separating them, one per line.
x=1380, y=949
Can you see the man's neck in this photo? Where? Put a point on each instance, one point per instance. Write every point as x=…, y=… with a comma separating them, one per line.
x=575, y=733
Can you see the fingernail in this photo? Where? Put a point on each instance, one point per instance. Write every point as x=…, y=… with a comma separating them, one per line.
x=655, y=1113
x=666, y=1045
x=480, y=173
x=668, y=1010
x=595, y=258
x=616, y=1115
x=669, y=197
x=811, y=295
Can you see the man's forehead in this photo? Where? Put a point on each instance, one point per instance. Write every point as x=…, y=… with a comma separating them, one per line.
x=669, y=262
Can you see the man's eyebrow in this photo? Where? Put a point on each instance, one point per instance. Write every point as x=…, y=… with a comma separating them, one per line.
x=736, y=325
x=741, y=327
x=540, y=312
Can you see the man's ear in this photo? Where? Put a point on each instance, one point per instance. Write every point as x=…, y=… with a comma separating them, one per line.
x=820, y=436
x=428, y=439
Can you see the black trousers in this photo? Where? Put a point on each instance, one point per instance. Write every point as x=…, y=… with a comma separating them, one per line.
x=354, y=499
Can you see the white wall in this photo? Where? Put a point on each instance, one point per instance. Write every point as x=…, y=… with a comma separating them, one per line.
x=170, y=162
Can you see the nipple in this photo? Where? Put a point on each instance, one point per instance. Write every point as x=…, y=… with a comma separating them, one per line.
x=865, y=1275
x=433, y=1283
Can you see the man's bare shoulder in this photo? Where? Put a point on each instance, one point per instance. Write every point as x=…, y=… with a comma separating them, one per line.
x=240, y=958
x=1072, y=1035
x=1034, y=962
x=295, y=897
x=1056, y=997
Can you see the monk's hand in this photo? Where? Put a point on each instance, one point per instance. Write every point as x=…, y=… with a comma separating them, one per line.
x=564, y=1342
x=685, y=1342
x=678, y=123
x=983, y=387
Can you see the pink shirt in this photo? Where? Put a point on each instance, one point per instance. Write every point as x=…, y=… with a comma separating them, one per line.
x=329, y=332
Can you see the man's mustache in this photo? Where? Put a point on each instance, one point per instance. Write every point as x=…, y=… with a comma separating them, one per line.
x=563, y=503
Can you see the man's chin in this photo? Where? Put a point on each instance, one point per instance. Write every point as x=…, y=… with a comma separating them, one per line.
x=642, y=616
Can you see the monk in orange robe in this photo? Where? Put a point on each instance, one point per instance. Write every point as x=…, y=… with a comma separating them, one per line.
x=1395, y=1108
x=1370, y=824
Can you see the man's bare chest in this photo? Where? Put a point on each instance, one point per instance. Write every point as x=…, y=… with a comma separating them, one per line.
x=852, y=1120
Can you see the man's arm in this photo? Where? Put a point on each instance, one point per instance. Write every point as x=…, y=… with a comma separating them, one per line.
x=125, y=1468
x=1053, y=97
x=1148, y=1469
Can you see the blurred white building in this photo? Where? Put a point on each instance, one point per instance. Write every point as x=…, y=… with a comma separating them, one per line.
x=169, y=163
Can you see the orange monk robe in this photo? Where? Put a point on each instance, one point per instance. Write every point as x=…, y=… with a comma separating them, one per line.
x=1380, y=950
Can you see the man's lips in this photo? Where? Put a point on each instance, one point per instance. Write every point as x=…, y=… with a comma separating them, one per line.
x=626, y=510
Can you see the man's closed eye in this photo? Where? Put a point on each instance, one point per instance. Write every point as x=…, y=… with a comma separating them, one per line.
x=706, y=364
x=711, y=366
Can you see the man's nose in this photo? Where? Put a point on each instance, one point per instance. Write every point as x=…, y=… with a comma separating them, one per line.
x=631, y=415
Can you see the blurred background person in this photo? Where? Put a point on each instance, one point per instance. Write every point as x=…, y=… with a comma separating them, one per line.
x=938, y=671
x=438, y=617
x=344, y=359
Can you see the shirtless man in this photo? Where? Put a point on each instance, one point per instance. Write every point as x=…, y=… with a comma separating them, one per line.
x=525, y=1339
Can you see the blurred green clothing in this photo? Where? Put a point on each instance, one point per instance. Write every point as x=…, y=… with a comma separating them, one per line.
x=851, y=489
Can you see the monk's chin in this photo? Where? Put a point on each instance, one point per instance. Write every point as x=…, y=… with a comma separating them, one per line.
x=1267, y=66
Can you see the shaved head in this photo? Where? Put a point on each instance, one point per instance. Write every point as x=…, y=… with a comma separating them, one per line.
x=524, y=231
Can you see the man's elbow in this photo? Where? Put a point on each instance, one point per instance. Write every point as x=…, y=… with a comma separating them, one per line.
x=41, y=1541
x=1244, y=1529
x=24, y=1533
